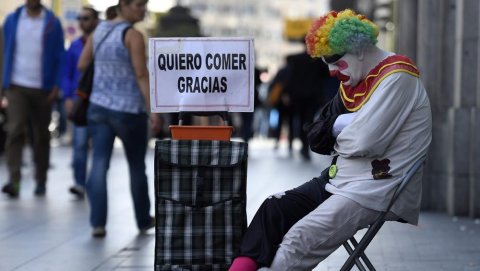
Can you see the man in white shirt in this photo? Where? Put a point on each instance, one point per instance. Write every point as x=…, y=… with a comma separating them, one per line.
x=376, y=128
x=33, y=48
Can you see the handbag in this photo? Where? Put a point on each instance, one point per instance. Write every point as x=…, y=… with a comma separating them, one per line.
x=78, y=115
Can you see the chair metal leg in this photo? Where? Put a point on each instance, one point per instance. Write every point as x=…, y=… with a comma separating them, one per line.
x=363, y=255
x=360, y=248
x=355, y=261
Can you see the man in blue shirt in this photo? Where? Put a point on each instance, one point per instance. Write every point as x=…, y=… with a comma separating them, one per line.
x=87, y=21
x=32, y=69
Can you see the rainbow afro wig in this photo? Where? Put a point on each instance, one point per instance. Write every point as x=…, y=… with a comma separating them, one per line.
x=339, y=33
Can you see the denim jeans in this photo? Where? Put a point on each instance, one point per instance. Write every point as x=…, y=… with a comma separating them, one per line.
x=104, y=125
x=80, y=155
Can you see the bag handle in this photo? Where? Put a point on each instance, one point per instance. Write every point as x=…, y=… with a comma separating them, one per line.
x=105, y=37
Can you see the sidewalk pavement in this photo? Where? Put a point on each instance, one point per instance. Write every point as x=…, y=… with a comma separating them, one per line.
x=52, y=233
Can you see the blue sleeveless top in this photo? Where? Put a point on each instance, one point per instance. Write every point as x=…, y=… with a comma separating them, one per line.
x=114, y=83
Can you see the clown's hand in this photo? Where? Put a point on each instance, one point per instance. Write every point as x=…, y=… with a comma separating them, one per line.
x=341, y=122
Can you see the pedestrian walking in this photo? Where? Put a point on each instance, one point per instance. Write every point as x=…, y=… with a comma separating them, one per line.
x=118, y=108
x=247, y=130
x=34, y=51
x=279, y=100
x=305, y=84
x=87, y=21
x=111, y=13
x=3, y=134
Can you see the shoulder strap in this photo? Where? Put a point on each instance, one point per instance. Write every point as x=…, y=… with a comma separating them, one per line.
x=105, y=37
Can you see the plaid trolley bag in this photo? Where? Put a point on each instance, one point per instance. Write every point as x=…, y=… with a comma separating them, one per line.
x=200, y=193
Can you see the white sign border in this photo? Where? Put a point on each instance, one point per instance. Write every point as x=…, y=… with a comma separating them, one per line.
x=154, y=106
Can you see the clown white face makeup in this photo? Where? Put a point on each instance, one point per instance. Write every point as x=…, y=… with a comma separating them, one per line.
x=348, y=69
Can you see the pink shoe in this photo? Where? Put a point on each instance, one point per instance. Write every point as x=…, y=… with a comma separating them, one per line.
x=243, y=264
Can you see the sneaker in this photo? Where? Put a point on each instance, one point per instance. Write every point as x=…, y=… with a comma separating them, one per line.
x=11, y=189
x=40, y=190
x=78, y=191
x=99, y=232
x=145, y=229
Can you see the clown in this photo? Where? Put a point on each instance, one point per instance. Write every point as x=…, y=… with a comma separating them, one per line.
x=375, y=128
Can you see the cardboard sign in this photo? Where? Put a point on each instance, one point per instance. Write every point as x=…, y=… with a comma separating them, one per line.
x=201, y=74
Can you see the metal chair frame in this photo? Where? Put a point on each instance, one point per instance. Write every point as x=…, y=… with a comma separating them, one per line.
x=357, y=249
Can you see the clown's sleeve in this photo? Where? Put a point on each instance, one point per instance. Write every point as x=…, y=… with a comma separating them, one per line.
x=320, y=133
x=380, y=119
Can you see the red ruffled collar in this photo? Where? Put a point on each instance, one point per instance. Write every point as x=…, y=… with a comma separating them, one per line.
x=355, y=97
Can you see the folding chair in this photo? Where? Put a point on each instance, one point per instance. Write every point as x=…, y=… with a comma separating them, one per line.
x=357, y=249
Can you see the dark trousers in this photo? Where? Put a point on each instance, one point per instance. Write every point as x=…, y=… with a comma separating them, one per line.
x=277, y=215
x=28, y=106
x=303, y=113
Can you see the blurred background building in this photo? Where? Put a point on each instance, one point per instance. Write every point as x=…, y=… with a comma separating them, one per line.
x=276, y=26
x=442, y=36
x=263, y=20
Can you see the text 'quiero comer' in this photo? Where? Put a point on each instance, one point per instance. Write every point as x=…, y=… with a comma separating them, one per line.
x=204, y=84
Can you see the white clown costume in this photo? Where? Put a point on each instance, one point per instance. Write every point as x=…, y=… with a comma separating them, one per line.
x=376, y=128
